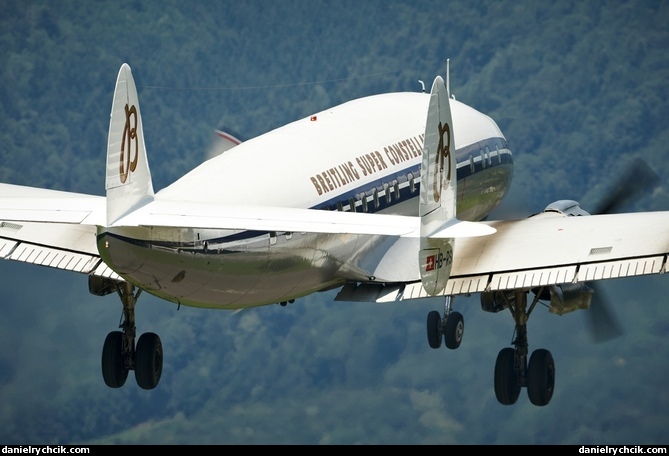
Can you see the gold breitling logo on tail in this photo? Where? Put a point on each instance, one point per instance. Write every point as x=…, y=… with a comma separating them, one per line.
x=443, y=159
x=129, y=144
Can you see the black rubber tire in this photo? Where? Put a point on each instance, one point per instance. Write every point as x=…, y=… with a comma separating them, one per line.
x=541, y=377
x=114, y=372
x=454, y=330
x=148, y=361
x=433, y=333
x=507, y=388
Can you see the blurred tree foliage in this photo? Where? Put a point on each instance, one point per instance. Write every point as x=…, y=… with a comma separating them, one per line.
x=573, y=85
x=576, y=86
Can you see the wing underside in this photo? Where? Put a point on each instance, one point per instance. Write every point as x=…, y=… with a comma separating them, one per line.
x=26, y=242
x=547, y=249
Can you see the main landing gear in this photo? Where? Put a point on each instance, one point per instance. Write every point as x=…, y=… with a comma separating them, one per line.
x=119, y=353
x=512, y=370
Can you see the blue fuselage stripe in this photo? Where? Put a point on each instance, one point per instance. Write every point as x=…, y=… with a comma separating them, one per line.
x=470, y=160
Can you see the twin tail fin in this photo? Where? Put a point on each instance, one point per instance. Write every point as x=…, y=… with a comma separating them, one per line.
x=128, y=179
x=439, y=226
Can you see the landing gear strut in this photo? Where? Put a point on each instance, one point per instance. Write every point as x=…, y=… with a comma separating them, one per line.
x=119, y=353
x=451, y=327
x=512, y=371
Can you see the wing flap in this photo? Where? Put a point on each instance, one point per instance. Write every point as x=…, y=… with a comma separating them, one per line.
x=533, y=278
x=55, y=257
x=627, y=268
x=7, y=246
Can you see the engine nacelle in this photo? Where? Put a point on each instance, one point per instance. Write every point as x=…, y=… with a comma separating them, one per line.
x=566, y=207
x=568, y=297
x=101, y=286
x=496, y=301
x=564, y=298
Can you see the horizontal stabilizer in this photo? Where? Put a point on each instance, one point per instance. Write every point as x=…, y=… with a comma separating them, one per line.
x=52, y=228
x=29, y=204
x=462, y=229
x=263, y=218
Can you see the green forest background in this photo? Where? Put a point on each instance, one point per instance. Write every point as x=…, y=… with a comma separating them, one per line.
x=577, y=87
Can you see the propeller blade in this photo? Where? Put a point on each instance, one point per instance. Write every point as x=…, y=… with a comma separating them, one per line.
x=637, y=179
x=604, y=325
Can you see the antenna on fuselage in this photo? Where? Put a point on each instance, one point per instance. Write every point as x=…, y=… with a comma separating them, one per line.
x=422, y=85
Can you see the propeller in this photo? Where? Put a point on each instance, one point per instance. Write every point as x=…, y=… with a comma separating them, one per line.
x=636, y=180
x=601, y=319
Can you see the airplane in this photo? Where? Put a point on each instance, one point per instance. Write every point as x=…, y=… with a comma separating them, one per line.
x=384, y=198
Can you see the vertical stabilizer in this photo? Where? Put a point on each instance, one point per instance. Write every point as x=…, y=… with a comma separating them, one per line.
x=128, y=179
x=438, y=180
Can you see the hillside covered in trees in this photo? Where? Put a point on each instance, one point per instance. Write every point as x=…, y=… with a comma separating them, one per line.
x=578, y=88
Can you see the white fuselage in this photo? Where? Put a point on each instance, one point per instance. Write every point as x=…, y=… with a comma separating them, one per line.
x=361, y=156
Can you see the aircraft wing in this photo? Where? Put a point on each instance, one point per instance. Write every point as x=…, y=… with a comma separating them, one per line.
x=58, y=229
x=546, y=249
x=52, y=228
